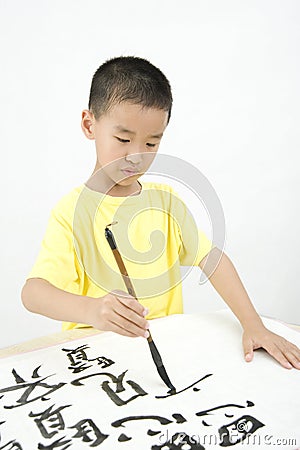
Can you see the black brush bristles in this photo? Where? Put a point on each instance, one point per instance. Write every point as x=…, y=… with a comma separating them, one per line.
x=160, y=367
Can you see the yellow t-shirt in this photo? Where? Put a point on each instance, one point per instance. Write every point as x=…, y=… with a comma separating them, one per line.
x=155, y=234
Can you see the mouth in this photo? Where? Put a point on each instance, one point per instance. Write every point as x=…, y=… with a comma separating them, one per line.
x=129, y=172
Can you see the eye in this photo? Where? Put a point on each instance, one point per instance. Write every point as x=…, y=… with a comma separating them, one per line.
x=122, y=140
x=151, y=145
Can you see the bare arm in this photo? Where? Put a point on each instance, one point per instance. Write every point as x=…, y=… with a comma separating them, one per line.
x=116, y=311
x=227, y=283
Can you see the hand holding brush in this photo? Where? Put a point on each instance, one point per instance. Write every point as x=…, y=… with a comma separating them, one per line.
x=153, y=349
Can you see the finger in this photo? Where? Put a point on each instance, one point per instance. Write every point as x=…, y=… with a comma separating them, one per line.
x=128, y=326
x=130, y=315
x=279, y=356
x=122, y=309
x=248, y=349
x=130, y=302
x=293, y=358
x=290, y=353
x=117, y=329
x=127, y=319
x=108, y=312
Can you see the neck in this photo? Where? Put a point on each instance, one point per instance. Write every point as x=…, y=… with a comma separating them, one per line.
x=107, y=186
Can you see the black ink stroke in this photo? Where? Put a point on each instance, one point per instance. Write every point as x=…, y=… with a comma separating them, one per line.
x=56, y=444
x=179, y=418
x=185, y=389
x=228, y=405
x=124, y=438
x=161, y=420
x=12, y=445
x=152, y=432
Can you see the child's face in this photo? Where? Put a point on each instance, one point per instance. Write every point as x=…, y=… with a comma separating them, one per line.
x=127, y=138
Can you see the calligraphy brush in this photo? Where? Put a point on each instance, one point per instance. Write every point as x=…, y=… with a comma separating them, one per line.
x=153, y=349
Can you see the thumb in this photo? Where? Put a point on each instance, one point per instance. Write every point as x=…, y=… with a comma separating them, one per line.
x=248, y=348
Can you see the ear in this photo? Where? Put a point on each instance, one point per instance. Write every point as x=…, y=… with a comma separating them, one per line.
x=87, y=123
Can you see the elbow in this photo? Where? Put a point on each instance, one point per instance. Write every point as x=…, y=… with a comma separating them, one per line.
x=27, y=295
x=211, y=261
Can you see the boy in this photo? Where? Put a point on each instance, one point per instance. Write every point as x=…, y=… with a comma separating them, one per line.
x=75, y=278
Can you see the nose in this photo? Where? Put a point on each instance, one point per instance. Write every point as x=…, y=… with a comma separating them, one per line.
x=134, y=158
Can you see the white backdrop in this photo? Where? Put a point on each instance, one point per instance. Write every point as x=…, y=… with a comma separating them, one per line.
x=234, y=69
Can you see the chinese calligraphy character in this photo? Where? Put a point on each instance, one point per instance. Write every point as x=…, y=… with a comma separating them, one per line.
x=87, y=430
x=54, y=419
x=79, y=359
x=118, y=382
x=29, y=387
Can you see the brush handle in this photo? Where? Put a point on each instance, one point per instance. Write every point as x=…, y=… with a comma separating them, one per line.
x=128, y=284
x=153, y=349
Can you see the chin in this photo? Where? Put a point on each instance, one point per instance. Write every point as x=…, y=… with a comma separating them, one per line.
x=128, y=181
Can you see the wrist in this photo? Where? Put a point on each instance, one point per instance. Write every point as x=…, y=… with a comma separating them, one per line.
x=253, y=322
x=88, y=310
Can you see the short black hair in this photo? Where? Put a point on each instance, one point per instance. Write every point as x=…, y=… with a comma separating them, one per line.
x=129, y=78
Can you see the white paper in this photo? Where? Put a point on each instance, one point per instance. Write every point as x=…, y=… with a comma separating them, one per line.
x=44, y=406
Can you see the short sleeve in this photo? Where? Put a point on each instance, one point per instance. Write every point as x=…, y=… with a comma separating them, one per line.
x=194, y=244
x=56, y=261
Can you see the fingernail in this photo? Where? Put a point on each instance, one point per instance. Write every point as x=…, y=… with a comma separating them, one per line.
x=248, y=357
x=145, y=312
x=288, y=365
x=146, y=334
x=147, y=324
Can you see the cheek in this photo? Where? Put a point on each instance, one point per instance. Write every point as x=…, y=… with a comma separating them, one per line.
x=148, y=157
x=109, y=152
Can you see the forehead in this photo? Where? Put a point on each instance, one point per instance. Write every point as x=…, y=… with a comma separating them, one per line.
x=126, y=117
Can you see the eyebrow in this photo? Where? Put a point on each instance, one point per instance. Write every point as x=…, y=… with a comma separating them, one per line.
x=124, y=130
